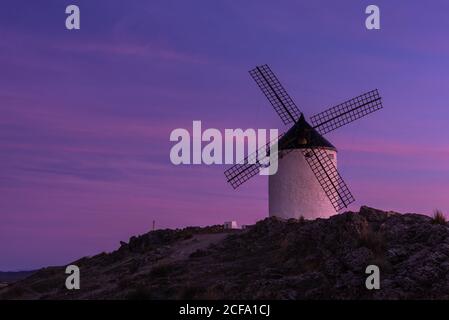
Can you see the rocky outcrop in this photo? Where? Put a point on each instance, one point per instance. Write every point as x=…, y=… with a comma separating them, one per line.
x=274, y=259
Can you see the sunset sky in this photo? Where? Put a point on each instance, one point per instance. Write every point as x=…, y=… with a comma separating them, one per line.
x=86, y=115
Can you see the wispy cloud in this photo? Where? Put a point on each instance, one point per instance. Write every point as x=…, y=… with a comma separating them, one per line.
x=396, y=148
x=145, y=50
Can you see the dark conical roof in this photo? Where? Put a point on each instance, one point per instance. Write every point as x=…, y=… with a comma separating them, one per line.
x=303, y=135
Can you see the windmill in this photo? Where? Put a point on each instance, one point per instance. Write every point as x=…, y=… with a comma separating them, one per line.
x=307, y=182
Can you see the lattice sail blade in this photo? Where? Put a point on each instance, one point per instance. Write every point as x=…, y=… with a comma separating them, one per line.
x=250, y=166
x=276, y=94
x=240, y=173
x=330, y=180
x=347, y=112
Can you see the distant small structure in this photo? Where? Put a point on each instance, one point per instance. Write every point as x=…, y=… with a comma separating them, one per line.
x=231, y=225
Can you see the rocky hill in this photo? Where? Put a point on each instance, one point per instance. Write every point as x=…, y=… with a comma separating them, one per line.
x=12, y=276
x=274, y=259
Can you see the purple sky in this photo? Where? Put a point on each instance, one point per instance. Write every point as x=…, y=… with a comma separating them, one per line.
x=86, y=115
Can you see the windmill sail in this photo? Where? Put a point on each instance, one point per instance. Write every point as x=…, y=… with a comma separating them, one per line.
x=330, y=180
x=347, y=112
x=250, y=166
x=276, y=94
x=240, y=173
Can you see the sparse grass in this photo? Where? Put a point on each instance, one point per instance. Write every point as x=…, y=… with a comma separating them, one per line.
x=134, y=266
x=375, y=241
x=124, y=283
x=16, y=291
x=372, y=240
x=190, y=291
x=382, y=263
x=161, y=270
x=199, y=253
x=139, y=293
x=439, y=217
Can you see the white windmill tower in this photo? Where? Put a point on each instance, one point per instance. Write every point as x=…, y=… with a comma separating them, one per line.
x=307, y=182
x=294, y=191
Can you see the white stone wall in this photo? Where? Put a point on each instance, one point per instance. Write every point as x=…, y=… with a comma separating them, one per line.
x=294, y=191
x=231, y=225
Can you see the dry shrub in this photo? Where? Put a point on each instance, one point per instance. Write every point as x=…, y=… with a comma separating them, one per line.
x=439, y=217
x=372, y=240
